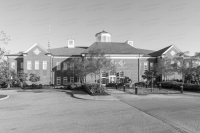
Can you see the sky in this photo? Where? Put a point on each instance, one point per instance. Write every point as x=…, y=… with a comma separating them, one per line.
x=150, y=24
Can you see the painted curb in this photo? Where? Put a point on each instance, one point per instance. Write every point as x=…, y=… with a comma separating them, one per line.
x=114, y=99
x=4, y=98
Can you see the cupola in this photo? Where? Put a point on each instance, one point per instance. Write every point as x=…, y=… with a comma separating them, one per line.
x=103, y=36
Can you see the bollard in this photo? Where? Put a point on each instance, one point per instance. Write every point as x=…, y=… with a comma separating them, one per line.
x=136, y=89
x=160, y=86
x=124, y=88
x=116, y=86
x=181, y=88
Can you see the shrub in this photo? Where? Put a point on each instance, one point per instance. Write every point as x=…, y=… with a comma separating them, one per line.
x=176, y=85
x=94, y=89
x=111, y=85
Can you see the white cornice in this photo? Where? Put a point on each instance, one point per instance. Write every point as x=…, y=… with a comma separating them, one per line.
x=34, y=46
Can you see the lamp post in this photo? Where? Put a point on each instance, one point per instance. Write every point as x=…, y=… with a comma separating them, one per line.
x=152, y=80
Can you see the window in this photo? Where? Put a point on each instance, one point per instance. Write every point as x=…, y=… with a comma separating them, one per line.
x=104, y=38
x=78, y=79
x=151, y=65
x=22, y=65
x=103, y=74
x=58, y=81
x=112, y=72
x=145, y=65
x=72, y=66
x=58, y=65
x=13, y=65
x=71, y=42
x=44, y=65
x=65, y=81
x=65, y=66
x=36, y=65
x=29, y=65
x=122, y=74
x=71, y=79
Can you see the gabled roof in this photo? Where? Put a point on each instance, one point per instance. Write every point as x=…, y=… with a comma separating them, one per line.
x=67, y=51
x=145, y=52
x=160, y=52
x=16, y=54
x=34, y=46
x=113, y=48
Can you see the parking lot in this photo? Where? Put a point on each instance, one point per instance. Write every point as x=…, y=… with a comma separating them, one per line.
x=56, y=111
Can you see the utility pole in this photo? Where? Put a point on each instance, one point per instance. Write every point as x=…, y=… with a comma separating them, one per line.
x=49, y=38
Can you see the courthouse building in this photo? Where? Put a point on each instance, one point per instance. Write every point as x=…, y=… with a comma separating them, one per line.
x=53, y=65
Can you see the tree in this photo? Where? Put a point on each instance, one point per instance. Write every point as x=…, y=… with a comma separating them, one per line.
x=4, y=38
x=34, y=78
x=183, y=64
x=149, y=75
x=6, y=74
x=99, y=63
x=80, y=68
x=164, y=67
x=95, y=62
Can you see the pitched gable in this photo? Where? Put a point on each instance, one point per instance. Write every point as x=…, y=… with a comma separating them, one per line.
x=160, y=52
x=169, y=51
x=35, y=45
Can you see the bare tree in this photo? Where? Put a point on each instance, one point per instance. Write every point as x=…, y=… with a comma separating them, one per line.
x=4, y=38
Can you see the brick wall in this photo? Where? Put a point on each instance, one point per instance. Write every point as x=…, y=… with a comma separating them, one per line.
x=31, y=56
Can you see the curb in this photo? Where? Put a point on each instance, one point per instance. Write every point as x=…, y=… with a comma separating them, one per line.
x=95, y=99
x=4, y=98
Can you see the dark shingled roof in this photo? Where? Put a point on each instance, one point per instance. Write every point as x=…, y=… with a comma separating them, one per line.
x=159, y=52
x=67, y=51
x=17, y=54
x=145, y=52
x=113, y=48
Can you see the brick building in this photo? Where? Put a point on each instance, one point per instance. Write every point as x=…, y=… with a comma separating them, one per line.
x=52, y=65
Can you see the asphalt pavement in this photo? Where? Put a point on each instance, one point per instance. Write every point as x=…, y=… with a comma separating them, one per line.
x=57, y=111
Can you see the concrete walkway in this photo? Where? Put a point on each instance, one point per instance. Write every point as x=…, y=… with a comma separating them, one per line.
x=179, y=110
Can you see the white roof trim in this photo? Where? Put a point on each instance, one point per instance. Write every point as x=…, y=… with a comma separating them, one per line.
x=34, y=46
x=177, y=48
x=168, y=50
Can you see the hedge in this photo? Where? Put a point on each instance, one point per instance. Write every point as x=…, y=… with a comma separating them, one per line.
x=176, y=86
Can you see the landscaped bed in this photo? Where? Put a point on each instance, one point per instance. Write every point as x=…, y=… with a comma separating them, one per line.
x=3, y=96
x=145, y=91
x=90, y=88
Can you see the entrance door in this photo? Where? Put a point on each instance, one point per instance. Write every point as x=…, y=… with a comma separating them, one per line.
x=112, y=79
